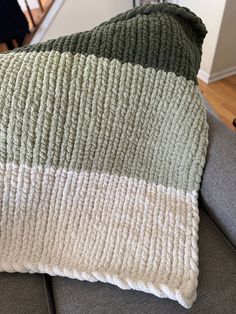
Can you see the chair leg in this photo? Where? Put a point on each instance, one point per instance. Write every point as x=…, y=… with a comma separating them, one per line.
x=9, y=44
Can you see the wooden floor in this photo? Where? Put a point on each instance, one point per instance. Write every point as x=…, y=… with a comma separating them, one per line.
x=221, y=96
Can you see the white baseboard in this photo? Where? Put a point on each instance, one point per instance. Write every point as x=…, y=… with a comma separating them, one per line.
x=209, y=78
x=222, y=74
x=46, y=21
x=204, y=76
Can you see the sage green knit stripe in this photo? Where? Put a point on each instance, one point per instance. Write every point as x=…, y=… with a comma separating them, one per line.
x=141, y=36
x=102, y=116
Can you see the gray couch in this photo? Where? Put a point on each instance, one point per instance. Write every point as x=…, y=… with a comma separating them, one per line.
x=35, y=293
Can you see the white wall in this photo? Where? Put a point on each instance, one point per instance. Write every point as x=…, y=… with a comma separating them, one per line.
x=211, y=12
x=225, y=56
x=80, y=15
x=219, y=48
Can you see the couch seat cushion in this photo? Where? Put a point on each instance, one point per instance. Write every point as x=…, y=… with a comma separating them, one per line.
x=216, y=291
x=25, y=294
x=218, y=189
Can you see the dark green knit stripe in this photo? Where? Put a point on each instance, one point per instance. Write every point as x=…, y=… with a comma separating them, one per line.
x=164, y=36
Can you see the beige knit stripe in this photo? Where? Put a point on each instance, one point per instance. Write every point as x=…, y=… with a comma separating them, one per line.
x=116, y=114
x=81, y=223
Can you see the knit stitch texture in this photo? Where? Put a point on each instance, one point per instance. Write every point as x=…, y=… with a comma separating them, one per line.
x=102, y=148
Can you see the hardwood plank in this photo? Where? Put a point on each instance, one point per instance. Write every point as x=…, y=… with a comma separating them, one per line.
x=221, y=96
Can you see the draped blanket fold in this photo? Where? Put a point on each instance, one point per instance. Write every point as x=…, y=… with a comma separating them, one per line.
x=102, y=148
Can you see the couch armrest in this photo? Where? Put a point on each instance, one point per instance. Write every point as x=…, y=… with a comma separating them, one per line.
x=218, y=189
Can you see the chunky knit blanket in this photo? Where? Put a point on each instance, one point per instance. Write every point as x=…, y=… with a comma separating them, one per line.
x=102, y=148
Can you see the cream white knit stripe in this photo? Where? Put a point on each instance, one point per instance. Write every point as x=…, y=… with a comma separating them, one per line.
x=100, y=227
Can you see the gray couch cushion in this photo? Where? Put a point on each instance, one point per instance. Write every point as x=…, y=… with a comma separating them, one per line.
x=218, y=190
x=216, y=292
x=24, y=294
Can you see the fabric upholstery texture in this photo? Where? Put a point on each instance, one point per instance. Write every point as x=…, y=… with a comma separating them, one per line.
x=218, y=189
x=103, y=143
x=25, y=294
x=216, y=290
